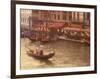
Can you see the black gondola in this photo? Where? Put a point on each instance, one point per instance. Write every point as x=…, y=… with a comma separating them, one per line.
x=41, y=57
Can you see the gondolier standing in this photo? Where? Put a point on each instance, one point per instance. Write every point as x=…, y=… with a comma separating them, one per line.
x=39, y=50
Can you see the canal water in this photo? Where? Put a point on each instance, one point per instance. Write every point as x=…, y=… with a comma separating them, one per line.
x=67, y=54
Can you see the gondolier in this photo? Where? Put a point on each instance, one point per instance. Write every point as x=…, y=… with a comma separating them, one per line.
x=41, y=57
x=39, y=50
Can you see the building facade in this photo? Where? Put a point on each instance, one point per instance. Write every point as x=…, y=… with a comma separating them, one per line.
x=24, y=18
x=44, y=17
x=47, y=25
x=61, y=16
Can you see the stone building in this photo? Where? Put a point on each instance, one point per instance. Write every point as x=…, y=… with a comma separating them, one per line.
x=24, y=17
x=44, y=17
x=60, y=16
x=47, y=24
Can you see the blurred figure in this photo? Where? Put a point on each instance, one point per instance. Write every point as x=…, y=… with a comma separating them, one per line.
x=39, y=50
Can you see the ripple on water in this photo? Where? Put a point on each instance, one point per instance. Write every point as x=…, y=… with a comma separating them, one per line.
x=68, y=54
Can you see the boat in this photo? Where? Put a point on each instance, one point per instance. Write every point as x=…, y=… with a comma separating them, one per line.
x=41, y=57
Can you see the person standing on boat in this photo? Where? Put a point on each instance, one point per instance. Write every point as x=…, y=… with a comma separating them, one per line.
x=41, y=49
x=37, y=50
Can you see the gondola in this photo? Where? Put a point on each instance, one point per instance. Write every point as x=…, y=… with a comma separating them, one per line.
x=41, y=57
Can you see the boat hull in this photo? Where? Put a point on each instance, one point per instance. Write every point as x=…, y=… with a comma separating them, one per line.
x=41, y=57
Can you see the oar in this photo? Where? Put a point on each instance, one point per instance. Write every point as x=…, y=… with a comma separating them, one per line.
x=29, y=49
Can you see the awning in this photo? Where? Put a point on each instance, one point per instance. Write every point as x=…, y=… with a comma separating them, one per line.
x=72, y=29
x=56, y=25
x=76, y=29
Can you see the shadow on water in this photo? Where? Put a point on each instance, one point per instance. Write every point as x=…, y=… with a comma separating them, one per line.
x=47, y=62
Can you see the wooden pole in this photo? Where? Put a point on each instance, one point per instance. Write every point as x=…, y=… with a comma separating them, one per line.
x=83, y=26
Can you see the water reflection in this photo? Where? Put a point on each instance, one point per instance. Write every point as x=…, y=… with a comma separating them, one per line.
x=47, y=62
